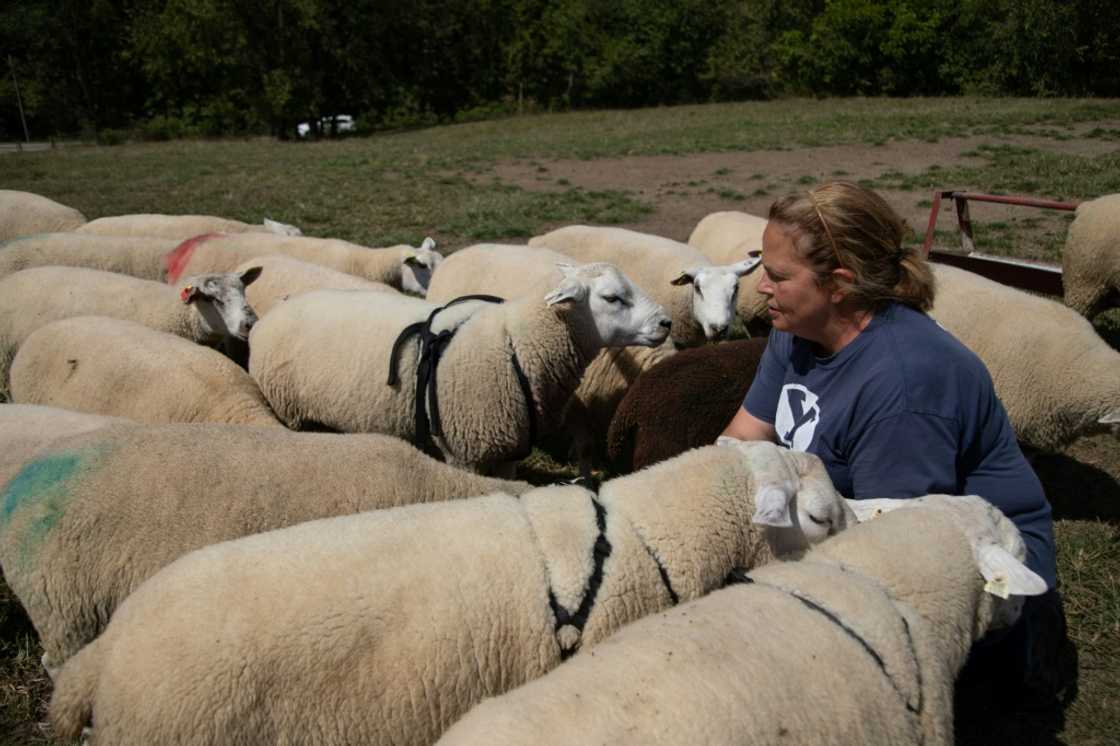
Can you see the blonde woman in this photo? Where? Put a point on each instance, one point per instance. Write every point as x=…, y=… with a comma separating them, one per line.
x=857, y=373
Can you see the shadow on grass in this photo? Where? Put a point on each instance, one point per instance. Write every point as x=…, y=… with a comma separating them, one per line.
x=1077, y=490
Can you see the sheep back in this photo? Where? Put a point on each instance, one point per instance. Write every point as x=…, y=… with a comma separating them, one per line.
x=1091, y=258
x=117, y=367
x=175, y=227
x=137, y=256
x=26, y=213
x=1054, y=374
x=682, y=402
x=812, y=651
x=504, y=270
x=93, y=516
x=283, y=277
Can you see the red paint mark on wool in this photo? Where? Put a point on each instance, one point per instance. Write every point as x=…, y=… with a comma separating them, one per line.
x=175, y=261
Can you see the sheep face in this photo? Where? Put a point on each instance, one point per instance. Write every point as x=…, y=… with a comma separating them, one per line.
x=622, y=314
x=219, y=299
x=418, y=266
x=715, y=291
x=796, y=502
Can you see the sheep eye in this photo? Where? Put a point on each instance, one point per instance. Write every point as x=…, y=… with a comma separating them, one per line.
x=612, y=299
x=818, y=521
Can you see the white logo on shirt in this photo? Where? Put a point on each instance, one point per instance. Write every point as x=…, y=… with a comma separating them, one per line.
x=798, y=415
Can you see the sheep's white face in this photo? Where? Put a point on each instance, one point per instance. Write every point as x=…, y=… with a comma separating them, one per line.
x=418, y=266
x=219, y=299
x=623, y=315
x=714, y=293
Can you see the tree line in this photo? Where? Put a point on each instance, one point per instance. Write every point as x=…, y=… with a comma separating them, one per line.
x=171, y=68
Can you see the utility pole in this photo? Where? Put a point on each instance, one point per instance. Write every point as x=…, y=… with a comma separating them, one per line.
x=19, y=100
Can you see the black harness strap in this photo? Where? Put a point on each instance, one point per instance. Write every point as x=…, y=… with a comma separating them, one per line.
x=426, y=418
x=599, y=554
x=738, y=575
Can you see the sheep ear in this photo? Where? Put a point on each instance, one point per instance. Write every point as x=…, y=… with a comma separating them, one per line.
x=748, y=265
x=282, y=229
x=1006, y=576
x=413, y=261
x=188, y=294
x=771, y=507
x=428, y=244
x=249, y=275
x=686, y=277
x=1112, y=418
x=569, y=289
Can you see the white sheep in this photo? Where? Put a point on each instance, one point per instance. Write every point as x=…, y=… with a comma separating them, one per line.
x=509, y=271
x=1091, y=258
x=283, y=277
x=1054, y=374
x=402, y=267
x=324, y=357
x=859, y=642
x=208, y=309
x=180, y=227
x=141, y=257
x=25, y=214
x=726, y=237
x=138, y=498
x=385, y=627
x=116, y=367
x=699, y=296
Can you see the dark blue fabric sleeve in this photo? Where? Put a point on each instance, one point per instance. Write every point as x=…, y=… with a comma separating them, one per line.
x=762, y=397
x=905, y=455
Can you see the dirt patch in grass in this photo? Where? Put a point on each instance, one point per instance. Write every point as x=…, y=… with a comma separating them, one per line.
x=683, y=189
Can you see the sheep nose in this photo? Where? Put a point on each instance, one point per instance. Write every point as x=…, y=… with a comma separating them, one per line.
x=666, y=324
x=719, y=332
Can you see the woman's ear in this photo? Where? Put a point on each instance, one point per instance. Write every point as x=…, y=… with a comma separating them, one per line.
x=841, y=278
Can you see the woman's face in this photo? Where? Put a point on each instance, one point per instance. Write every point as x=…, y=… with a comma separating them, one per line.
x=796, y=302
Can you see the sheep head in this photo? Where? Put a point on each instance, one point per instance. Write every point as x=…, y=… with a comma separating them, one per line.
x=715, y=290
x=621, y=312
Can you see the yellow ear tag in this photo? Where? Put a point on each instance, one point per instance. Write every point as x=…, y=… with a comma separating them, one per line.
x=997, y=586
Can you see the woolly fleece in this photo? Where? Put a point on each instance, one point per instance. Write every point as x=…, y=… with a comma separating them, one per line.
x=139, y=257
x=140, y=497
x=283, y=277
x=1091, y=258
x=25, y=214
x=115, y=367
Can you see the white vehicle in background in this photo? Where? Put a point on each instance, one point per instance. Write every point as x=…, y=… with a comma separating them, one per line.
x=343, y=123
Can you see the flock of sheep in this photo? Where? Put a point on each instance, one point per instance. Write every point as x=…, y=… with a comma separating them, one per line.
x=199, y=572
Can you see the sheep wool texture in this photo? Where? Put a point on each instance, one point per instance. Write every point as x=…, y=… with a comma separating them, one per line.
x=34, y=297
x=1056, y=377
x=91, y=517
x=652, y=262
x=26, y=214
x=323, y=357
x=283, y=277
x=1091, y=258
x=504, y=270
x=422, y=611
x=115, y=367
x=136, y=256
x=180, y=227
x=857, y=643
x=682, y=402
x=217, y=252
x=726, y=237
x=27, y=428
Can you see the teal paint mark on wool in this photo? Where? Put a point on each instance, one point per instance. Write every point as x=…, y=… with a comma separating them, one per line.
x=41, y=487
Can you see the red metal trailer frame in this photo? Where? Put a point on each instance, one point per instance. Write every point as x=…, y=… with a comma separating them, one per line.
x=1039, y=278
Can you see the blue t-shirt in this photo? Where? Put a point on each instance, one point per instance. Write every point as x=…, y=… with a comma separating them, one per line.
x=903, y=410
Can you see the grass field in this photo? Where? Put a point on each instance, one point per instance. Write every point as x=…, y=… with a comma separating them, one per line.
x=506, y=180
